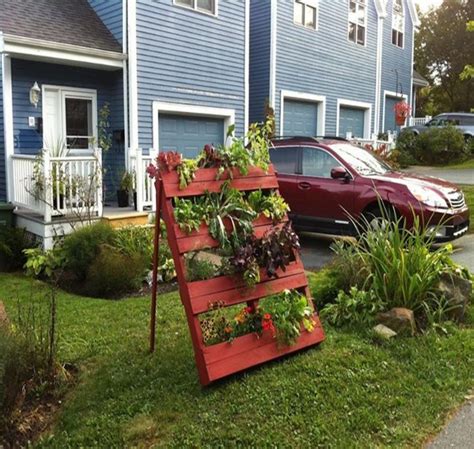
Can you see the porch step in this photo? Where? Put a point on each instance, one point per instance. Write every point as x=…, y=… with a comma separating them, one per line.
x=121, y=217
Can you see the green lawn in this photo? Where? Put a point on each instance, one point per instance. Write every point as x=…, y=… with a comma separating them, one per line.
x=469, y=192
x=463, y=165
x=349, y=392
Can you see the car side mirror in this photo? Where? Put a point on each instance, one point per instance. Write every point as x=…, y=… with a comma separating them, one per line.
x=339, y=173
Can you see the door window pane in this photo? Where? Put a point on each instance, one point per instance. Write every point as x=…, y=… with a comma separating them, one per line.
x=318, y=163
x=78, y=123
x=284, y=159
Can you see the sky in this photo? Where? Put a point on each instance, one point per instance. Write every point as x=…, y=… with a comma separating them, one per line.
x=426, y=4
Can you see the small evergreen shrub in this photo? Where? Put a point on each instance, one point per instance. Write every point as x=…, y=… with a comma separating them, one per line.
x=82, y=247
x=406, y=146
x=13, y=241
x=112, y=273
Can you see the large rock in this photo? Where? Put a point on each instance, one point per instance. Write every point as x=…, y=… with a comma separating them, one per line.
x=399, y=319
x=384, y=332
x=457, y=291
x=4, y=321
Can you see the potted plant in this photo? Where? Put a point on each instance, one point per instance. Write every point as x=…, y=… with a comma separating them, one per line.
x=402, y=111
x=126, y=186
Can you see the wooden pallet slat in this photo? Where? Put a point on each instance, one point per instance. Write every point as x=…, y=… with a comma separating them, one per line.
x=223, y=359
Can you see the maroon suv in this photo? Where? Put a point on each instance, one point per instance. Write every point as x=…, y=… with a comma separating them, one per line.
x=325, y=181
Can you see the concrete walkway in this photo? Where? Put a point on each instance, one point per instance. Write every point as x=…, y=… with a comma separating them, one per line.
x=457, y=176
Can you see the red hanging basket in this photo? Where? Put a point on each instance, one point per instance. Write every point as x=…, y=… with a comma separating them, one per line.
x=402, y=111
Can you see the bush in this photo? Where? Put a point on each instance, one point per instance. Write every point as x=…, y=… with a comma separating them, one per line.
x=199, y=269
x=81, y=248
x=13, y=241
x=112, y=273
x=441, y=145
x=325, y=286
x=406, y=147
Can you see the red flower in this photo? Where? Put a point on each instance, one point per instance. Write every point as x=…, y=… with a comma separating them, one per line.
x=248, y=310
x=267, y=317
x=152, y=171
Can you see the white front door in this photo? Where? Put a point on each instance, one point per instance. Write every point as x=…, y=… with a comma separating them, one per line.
x=69, y=120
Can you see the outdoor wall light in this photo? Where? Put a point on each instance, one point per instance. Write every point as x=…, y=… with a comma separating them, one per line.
x=35, y=94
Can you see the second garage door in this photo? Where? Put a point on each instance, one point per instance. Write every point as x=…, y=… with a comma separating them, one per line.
x=300, y=118
x=389, y=119
x=189, y=134
x=351, y=120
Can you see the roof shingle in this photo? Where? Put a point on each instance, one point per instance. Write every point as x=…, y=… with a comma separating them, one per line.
x=71, y=22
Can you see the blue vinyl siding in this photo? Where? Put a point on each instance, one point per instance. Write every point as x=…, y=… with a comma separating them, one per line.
x=351, y=120
x=260, y=29
x=3, y=193
x=324, y=61
x=188, y=135
x=190, y=58
x=300, y=118
x=110, y=12
x=109, y=89
x=397, y=62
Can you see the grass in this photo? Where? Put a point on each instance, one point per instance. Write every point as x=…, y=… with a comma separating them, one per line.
x=462, y=165
x=349, y=392
x=469, y=193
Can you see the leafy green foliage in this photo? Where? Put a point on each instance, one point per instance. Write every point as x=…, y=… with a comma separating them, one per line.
x=200, y=269
x=356, y=307
x=13, y=242
x=41, y=263
x=186, y=170
x=271, y=205
x=189, y=214
x=82, y=246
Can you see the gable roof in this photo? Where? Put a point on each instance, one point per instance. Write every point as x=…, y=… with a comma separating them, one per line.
x=419, y=80
x=72, y=22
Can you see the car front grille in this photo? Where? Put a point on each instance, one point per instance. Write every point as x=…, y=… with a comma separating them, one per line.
x=456, y=200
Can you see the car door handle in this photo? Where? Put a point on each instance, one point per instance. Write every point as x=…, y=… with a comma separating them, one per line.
x=304, y=185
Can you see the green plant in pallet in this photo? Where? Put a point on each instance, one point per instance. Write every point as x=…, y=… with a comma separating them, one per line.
x=271, y=205
x=189, y=214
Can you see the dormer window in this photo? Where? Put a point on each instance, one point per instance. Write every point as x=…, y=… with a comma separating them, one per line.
x=205, y=6
x=306, y=13
x=357, y=21
x=398, y=23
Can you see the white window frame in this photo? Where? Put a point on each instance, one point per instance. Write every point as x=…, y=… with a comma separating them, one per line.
x=195, y=8
x=73, y=92
x=390, y=94
x=341, y=102
x=160, y=107
x=313, y=4
x=358, y=4
x=320, y=100
x=395, y=14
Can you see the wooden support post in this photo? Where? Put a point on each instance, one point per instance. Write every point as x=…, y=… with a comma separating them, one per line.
x=156, y=261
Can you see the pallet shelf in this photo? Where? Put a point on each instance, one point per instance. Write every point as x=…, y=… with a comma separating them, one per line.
x=223, y=359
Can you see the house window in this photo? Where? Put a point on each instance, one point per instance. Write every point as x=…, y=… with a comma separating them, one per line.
x=357, y=21
x=306, y=13
x=206, y=6
x=398, y=23
x=78, y=117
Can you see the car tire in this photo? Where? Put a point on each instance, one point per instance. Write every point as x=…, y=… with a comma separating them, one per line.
x=376, y=218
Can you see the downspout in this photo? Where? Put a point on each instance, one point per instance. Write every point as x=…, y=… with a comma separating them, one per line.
x=378, y=74
x=125, y=82
x=273, y=51
x=132, y=73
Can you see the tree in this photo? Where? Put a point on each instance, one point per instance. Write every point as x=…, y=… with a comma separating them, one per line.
x=444, y=47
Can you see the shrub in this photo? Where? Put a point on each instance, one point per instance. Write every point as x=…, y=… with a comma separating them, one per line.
x=325, y=286
x=135, y=240
x=112, y=273
x=13, y=241
x=82, y=246
x=406, y=147
x=441, y=146
x=199, y=269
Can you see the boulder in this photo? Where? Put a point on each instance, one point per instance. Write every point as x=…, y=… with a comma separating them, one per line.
x=384, y=332
x=457, y=291
x=4, y=320
x=399, y=319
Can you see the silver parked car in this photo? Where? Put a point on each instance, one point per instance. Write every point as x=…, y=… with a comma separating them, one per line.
x=461, y=120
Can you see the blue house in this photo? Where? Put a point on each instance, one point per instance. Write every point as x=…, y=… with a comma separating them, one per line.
x=173, y=75
x=331, y=67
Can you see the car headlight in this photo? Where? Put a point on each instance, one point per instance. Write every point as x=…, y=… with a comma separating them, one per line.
x=428, y=197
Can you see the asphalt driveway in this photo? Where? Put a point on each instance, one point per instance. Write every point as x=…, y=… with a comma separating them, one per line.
x=457, y=176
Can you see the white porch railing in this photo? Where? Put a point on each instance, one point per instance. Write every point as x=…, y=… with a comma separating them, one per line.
x=374, y=142
x=57, y=186
x=419, y=121
x=144, y=186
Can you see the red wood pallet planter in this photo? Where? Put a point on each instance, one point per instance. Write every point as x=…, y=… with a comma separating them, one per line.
x=223, y=359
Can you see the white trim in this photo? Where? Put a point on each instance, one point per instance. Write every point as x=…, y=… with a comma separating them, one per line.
x=378, y=74
x=412, y=68
x=360, y=105
x=314, y=4
x=72, y=92
x=195, y=8
x=125, y=84
x=402, y=31
x=188, y=109
x=247, y=66
x=132, y=75
x=381, y=7
x=320, y=100
x=366, y=6
x=54, y=52
x=413, y=13
x=273, y=51
x=391, y=94
x=8, y=121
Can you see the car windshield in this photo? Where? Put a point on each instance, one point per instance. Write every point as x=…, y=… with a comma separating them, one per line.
x=362, y=161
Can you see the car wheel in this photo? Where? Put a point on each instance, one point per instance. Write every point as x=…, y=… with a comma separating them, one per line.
x=376, y=219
